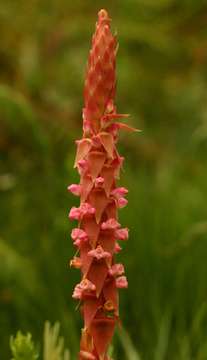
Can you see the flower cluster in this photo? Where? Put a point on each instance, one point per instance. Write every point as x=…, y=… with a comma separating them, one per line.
x=98, y=232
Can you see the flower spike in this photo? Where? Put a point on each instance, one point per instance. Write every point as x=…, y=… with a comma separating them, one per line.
x=98, y=230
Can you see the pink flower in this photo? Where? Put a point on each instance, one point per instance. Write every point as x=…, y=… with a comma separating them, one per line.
x=121, y=282
x=119, y=192
x=87, y=285
x=122, y=234
x=99, y=253
x=74, y=213
x=117, y=248
x=79, y=234
x=83, y=287
x=110, y=224
x=78, y=242
x=99, y=181
x=77, y=293
x=84, y=210
x=116, y=270
x=75, y=189
x=87, y=209
x=122, y=202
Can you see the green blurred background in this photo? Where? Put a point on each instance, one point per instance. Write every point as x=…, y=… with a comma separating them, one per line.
x=162, y=79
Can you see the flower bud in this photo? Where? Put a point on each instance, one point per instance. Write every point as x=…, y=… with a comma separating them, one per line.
x=121, y=282
x=75, y=189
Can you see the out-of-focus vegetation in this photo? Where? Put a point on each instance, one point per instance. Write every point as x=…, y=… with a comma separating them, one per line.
x=23, y=348
x=162, y=79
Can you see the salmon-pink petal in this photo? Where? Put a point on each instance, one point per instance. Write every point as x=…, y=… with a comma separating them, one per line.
x=87, y=209
x=79, y=234
x=82, y=288
x=78, y=242
x=83, y=147
x=121, y=282
x=117, y=248
x=122, y=202
x=111, y=224
x=99, y=181
x=96, y=160
x=87, y=285
x=99, y=253
x=116, y=270
x=102, y=331
x=108, y=143
x=77, y=293
x=119, y=192
x=74, y=213
x=75, y=189
x=122, y=234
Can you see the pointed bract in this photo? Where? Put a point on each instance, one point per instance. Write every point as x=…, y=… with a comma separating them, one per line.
x=102, y=331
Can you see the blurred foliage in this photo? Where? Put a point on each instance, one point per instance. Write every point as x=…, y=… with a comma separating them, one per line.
x=162, y=79
x=54, y=344
x=23, y=348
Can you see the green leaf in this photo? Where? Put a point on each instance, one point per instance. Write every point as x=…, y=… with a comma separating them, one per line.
x=22, y=347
